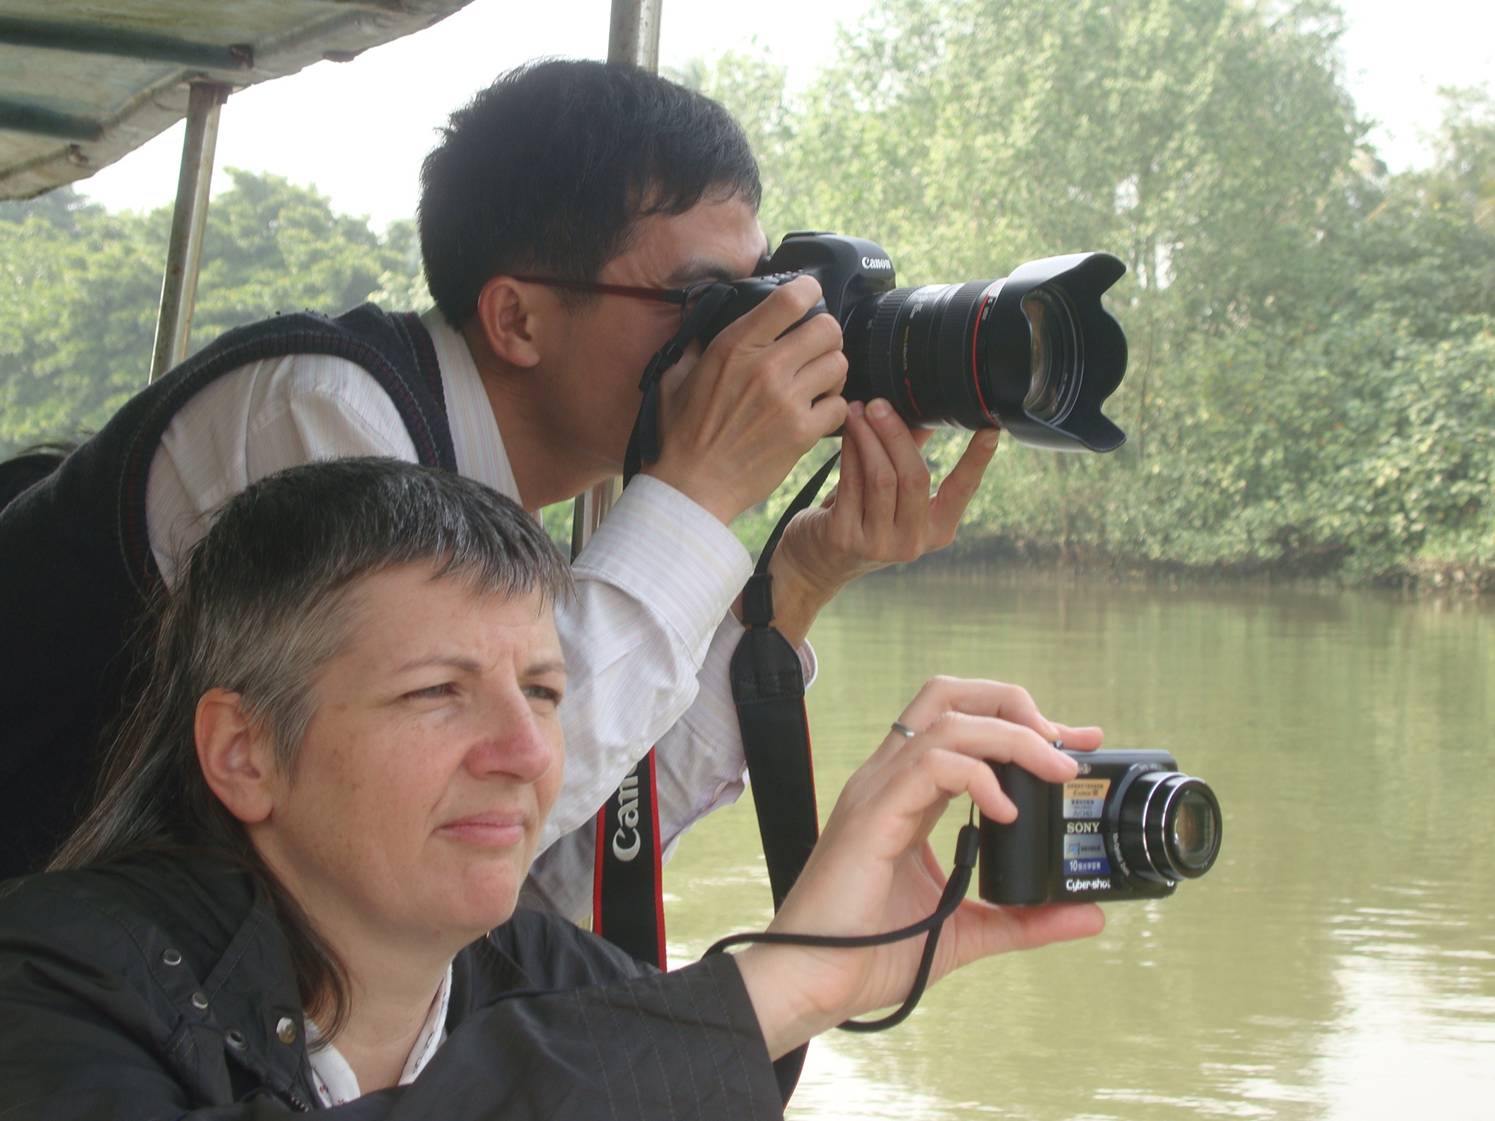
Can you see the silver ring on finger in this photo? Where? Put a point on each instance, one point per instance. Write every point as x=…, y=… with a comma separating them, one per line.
x=903, y=729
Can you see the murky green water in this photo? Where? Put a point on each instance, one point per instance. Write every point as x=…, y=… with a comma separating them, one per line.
x=1338, y=962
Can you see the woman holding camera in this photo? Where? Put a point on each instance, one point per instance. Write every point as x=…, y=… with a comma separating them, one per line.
x=297, y=887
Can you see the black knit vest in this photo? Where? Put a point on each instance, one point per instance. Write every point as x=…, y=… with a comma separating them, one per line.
x=77, y=573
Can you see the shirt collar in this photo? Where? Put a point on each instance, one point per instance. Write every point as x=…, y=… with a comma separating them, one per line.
x=476, y=441
x=334, y=1079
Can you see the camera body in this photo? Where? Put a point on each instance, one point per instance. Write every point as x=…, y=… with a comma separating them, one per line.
x=1128, y=826
x=1034, y=352
x=849, y=270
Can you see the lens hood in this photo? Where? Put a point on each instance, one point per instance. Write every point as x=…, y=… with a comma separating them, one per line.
x=1092, y=344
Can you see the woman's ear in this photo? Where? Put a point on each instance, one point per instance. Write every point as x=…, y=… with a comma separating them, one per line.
x=508, y=314
x=237, y=760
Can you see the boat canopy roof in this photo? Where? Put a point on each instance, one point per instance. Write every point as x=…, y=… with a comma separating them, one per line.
x=84, y=83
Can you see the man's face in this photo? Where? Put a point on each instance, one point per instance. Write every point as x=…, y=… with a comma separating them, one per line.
x=610, y=339
x=419, y=790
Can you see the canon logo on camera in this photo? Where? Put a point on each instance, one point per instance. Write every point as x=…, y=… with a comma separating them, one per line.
x=877, y=263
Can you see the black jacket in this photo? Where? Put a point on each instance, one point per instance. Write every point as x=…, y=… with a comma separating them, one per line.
x=161, y=989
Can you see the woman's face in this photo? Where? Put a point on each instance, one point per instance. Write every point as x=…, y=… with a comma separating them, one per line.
x=417, y=795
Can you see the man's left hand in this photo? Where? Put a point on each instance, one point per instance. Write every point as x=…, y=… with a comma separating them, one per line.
x=881, y=513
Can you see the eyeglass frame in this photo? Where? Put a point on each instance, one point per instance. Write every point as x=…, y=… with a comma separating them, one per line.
x=680, y=297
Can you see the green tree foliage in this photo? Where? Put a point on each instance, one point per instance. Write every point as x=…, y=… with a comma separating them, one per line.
x=79, y=289
x=273, y=246
x=1308, y=335
x=76, y=314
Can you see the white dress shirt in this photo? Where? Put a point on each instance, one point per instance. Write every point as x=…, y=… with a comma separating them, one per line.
x=647, y=639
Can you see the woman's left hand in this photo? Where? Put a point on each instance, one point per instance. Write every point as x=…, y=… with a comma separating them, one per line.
x=873, y=870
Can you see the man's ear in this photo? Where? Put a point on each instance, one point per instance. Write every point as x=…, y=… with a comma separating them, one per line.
x=237, y=760
x=508, y=318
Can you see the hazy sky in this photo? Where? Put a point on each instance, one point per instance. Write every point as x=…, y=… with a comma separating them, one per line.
x=357, y=131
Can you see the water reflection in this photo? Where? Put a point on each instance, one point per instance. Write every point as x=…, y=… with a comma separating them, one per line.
x=1338, y=961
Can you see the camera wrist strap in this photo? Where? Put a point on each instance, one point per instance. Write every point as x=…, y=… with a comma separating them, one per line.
x=967, y=848
x=768, y=686
x=627, y=885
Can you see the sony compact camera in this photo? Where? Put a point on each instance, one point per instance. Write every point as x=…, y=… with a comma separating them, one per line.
x=1033, y=353
x=1128, y=826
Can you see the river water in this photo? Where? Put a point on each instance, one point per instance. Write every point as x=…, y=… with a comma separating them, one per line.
x=1339, y=960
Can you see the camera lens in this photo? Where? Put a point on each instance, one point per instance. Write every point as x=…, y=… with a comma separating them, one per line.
x=1034, y=353
x=1170, y=826
x=942, y=355
x=1193, y=837
x=1053, y=380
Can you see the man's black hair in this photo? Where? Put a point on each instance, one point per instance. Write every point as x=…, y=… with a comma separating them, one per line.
x=548, y=169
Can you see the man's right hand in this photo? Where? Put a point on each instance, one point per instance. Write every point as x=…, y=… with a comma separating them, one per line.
x=736, y=420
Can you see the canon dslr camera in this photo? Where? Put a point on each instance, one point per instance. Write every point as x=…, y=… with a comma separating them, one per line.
x=1128, y=826
x=1033, y=352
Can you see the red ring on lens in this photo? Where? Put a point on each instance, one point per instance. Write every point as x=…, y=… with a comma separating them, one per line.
x=975, y=368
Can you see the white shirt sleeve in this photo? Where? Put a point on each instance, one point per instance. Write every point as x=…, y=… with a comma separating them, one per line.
x=659, y=567
x=651, y=589
x=252, y=422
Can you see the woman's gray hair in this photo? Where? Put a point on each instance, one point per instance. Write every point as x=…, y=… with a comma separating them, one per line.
x=262, y=604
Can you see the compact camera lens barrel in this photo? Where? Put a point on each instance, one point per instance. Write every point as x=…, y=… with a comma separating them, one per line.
x=1169, y=826
x=1192, y=834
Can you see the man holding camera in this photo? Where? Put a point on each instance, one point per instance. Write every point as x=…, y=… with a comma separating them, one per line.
x=565, y=216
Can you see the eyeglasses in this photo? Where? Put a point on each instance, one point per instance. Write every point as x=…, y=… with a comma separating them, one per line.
x=682, y=297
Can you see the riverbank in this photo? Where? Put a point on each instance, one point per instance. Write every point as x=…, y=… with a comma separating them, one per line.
x=1308, y=571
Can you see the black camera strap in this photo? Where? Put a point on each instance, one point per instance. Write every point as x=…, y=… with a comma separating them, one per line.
x=768, y=689
x=967, y=849
x=627, y=889
x=627, y=885
x=768, y=686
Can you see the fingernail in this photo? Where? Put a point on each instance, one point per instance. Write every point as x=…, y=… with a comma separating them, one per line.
x=856, y=408
x=880, y=409
x=989, y=437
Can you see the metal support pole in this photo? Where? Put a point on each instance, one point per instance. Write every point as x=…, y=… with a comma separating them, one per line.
x=634, y=34
x=633, y=37
x=188, y=219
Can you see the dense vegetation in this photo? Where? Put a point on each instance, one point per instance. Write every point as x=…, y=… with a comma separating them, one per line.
x=79, y=289
x=1310, y=385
